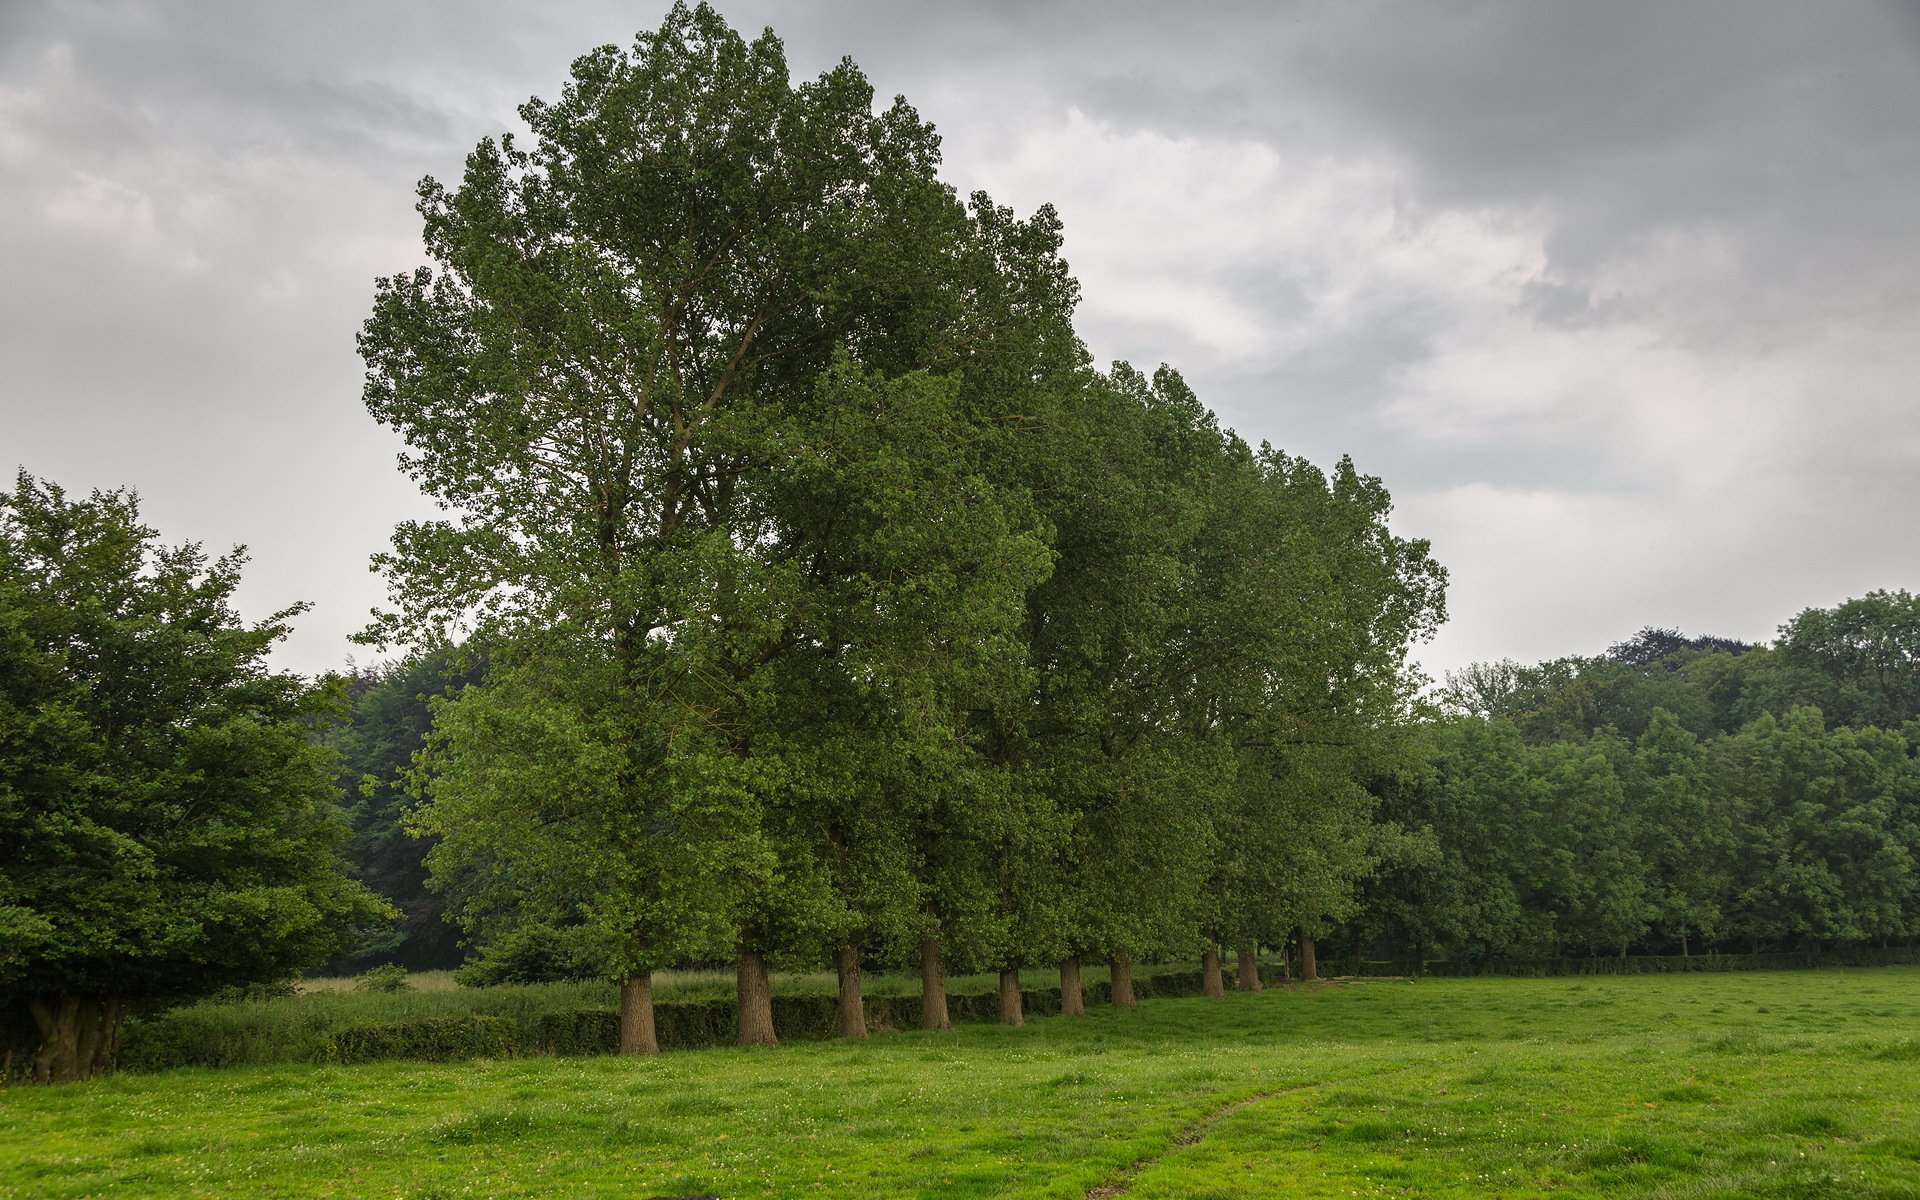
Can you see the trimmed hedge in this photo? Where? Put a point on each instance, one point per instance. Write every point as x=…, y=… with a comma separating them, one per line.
x=1657, y=964
x=168, y=1040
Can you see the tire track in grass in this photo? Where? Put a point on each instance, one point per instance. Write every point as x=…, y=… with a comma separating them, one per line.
x=1196, y=1130
x=1189, y=1134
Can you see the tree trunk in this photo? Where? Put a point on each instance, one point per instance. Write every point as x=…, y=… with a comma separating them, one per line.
x=1120, y=968
x=755, y=998
x=1011, y=1010
x=1309, y=971
x=636, y=1015
x=853, y=1010
x=1419, y=959
x=1210, y=981
x=1359, y=957
x=1684, y=951
x=1249, y=980
x=78, y=1037
x=933, y=987
x=1073, y=1001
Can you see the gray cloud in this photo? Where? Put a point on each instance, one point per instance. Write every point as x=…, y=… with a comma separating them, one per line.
x=1619, y=298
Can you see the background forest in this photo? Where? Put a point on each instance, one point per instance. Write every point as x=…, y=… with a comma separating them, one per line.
x=1673, y=795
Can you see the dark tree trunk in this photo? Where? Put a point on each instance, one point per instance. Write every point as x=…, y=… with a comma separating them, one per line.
x=1249, y=980
x=755, y=995
x=1419, y=958
x=1309, y=970
x=1211, y=981
x=636, y=1015
x=1073, y=1001
x=1359, y=957
x=853, y=1010
x=1120, y=968
x=933, y=987
x=1012, y=1012
x=78, y=1037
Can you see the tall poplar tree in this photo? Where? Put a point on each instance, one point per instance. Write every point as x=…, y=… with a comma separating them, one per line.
x=613, y=377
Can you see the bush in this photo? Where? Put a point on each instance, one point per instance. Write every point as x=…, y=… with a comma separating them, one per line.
x=532, y=954
x=387, y=977
x=432, y=1039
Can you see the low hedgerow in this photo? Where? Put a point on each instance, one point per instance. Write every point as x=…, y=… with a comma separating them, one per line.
x=1656, y=964
x=554, y=1018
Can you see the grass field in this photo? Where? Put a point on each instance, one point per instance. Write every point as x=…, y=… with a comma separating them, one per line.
x=1686, y=1086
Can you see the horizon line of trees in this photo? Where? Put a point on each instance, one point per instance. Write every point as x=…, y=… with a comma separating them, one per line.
x=1673, y=794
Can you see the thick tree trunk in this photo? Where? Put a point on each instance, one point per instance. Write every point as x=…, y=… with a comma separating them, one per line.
x=1011, y=1010
x=1419, y=959
x=1249, y=980
x=933, y=987
x=1684, y=951
x=78, y=1037
x=755, y=999
x=853, y=1009
x=1073, y=1001
x=1211, y=981
x=1309, y=970
x=1120, y=968
x=636, y=1015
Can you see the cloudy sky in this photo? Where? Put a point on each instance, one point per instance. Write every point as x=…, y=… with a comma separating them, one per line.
x=1622, y=300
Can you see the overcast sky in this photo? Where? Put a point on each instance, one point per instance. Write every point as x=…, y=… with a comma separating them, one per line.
x=1622, y=300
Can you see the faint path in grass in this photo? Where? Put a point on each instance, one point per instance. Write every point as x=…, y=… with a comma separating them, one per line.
x=1187, y=1136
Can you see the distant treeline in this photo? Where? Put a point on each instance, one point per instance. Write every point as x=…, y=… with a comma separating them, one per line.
x=1671, y=796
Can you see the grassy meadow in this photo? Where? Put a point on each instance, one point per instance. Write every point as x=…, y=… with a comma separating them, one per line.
x=1767, y=1084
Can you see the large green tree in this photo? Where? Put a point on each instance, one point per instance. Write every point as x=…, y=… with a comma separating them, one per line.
x=168, y=824
x=639, y=336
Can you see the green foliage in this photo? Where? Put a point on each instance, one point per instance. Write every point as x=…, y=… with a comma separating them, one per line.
x=385, y=726
x=167, y=822
x=533, y=952
x=384, y=978
x=712, y=374
x=1676, y=794
x=1858, y=662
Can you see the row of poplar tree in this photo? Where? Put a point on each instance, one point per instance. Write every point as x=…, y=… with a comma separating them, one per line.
x=1673, y=795
x=832, y=604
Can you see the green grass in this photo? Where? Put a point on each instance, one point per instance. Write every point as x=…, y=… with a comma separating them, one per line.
x=1676, y=1086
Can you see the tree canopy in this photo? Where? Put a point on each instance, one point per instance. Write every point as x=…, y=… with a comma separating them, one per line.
x=167, y=821
x=831, y=600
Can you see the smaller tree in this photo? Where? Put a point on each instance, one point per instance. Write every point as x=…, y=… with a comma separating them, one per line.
x=167, y=823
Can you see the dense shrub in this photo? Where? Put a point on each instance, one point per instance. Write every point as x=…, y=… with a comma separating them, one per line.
x=532, y=953
x=435, y=1039
x=385, y=978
